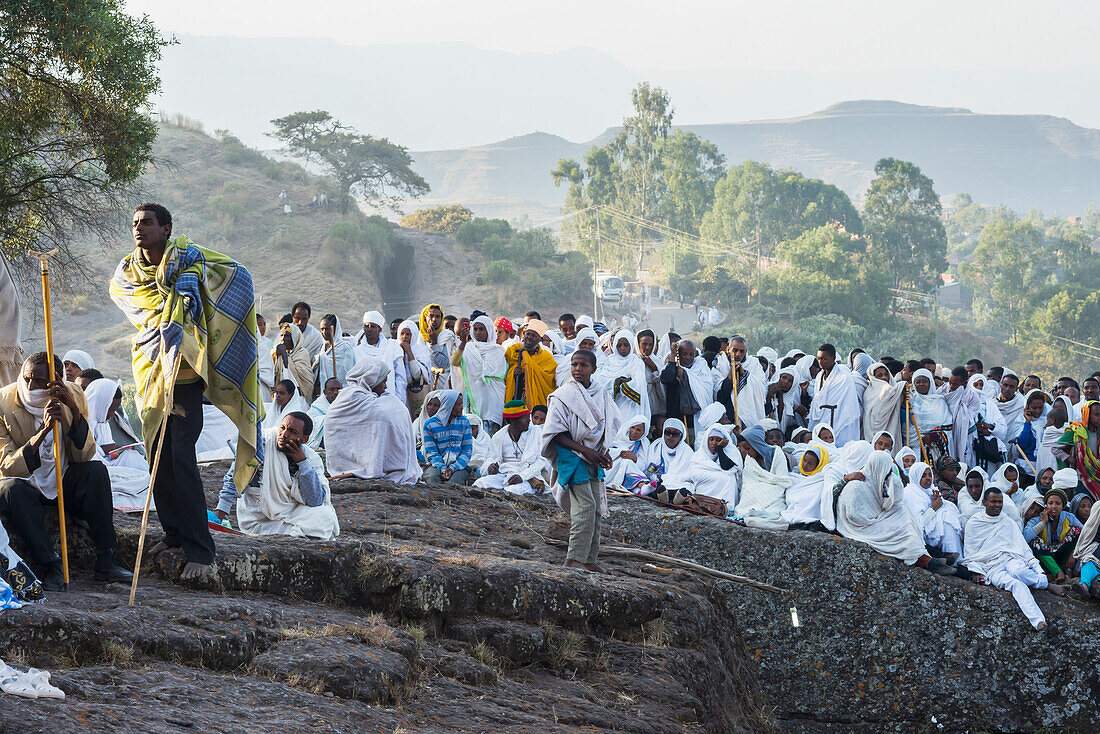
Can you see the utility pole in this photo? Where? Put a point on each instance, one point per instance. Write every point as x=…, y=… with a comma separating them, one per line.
x=595, y=286
x=599, y=250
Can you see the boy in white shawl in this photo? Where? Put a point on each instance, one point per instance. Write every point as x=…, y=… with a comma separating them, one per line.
x=580, y=425
x=994, y=547
x=319, y=411
x=293, y=496
x=368, y=431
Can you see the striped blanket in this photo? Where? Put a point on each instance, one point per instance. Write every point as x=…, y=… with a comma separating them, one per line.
x=201, y=305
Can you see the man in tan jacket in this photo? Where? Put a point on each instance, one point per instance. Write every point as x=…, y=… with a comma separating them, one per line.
x=28, y=409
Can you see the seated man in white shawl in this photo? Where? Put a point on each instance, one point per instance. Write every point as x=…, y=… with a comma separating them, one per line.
x=764, y=481
x=580, y=425
x=292, y=496
x=715, y=469
x=319, y=411
x=872, y=511
x=367, y=431
x=373, y=343
x=994, y=547
x=836, y=399
x=515, y=462
x=744, y=406
x=970, y=500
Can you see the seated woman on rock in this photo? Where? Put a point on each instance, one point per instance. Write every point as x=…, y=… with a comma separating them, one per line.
x=970, y=499
x=764, y=481
x=668, y=464
x=938, y=519
x=629, y=453
x=1081, y=507
x=871, y=511
x=1053, y=536
x=803, y=497
x=716, y=467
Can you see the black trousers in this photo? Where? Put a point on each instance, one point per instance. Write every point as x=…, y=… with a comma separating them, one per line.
x=178, y=493
x=87, y=491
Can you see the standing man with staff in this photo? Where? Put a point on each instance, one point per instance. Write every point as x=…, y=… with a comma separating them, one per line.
x=195, y=311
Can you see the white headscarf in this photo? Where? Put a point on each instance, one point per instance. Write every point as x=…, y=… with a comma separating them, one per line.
x=484, y=369
x=930, y=410
x=83, y=360
x=672, y=464
x=274, y=416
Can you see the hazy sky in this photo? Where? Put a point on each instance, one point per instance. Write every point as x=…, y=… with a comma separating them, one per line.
x=799, y=35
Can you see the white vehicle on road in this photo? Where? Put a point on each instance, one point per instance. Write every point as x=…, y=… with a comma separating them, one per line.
x=609, y=287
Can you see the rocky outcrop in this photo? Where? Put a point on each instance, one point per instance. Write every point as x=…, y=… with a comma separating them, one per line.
x=436, y=610
x=882, y=646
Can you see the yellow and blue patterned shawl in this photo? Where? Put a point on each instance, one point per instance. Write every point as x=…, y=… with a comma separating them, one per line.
x=201, y=304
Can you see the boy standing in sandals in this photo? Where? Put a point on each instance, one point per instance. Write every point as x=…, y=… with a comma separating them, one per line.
x=580, y=424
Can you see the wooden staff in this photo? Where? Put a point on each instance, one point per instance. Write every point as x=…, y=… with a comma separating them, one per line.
x=1020, y=451
x=43, y=258
x=913, y=418
x=735, y=380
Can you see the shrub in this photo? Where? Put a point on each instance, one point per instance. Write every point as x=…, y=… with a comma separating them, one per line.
x=441, y=220
x=477, y=230
x=498, y=272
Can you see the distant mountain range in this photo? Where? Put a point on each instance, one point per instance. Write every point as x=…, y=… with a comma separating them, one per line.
x=1021, y=161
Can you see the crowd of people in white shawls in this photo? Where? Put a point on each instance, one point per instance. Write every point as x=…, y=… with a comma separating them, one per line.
x=961, y=471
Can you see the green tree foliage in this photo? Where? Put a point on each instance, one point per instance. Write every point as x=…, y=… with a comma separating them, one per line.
x=964, y=223
x=902, y=219
x=373, y=168
x=714, y=285
x=821, y=275
x=475, y=231
x=75, y=82
x=368, y=244
x=1009, y=265
x=764, y=207
x=647, y=171
x=499, y=272
x=1071, y=313
x=446, y=220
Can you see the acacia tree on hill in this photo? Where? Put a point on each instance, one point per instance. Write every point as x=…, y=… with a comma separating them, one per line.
x=901, y=216
x=75, y=82
x=363, y=165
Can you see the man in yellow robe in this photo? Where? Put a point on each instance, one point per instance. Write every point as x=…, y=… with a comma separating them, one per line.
x=531, y=368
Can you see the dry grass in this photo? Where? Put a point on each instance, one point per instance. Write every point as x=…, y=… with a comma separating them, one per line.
x=490, y=657
x=372, y=631
x=562, y=646
x=16, y=656
x=654, y=633
x=457, y=560
x=418, y=632
x=118, y=654
x=305, y=683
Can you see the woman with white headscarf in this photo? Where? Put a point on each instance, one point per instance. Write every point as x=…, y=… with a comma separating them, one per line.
x=483, y=443
x=822, y=435
x=716, y=467
x=932, y=416
x=117, y=445
x=937, y=518
x=429, y=408
x=76, y=361
x=287, y=400
x=385, y=349
x=861, y=364
x=781, y=405
x=588, y=339
x=483, y=368
x=709, y=416
x=669, y=457
x=871, y=511
x=985, y=444
x=803, y=497
x=849, y=460
x=629, y=452
x=624, y=375
x=292, y=360
x=367, y=431
x=882, y=400
x=764, y=482
x=904, y=459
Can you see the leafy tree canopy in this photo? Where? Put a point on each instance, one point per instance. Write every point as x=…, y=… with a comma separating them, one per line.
x=446, y=220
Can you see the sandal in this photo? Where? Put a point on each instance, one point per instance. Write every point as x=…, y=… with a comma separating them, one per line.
x=40, y=679
x=16, y=683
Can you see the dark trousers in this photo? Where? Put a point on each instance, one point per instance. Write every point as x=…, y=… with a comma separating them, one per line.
x=178, y=493
x=87, y=492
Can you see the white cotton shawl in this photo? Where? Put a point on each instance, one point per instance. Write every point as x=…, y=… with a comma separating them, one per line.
x=965, y=406
x=934, y=523
x=129, y=472
x=882, y=404
x=990, y=543
x=324, y=363
x=1012, y=414
x=589, y=415
x=369, y=435
x=707, y=475
x=673, y=465
x=317, y=413
x=700, y=380
x=483, y=375
x=1002, y=482
x=704, y=419
x=274, y=416
x=900, y=456
x=632, y=367
x=278, y=503
x=883, y=522
x=312, y=341
x=483, y=442
x=817, y=440
x=850, y=458
x=763, y=493
x=750, y=398
x=839, y=390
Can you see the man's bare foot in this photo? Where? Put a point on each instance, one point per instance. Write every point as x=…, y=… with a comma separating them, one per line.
x=570, y=563
x=595, y=567
x=193, y=570
x=1042, y=626
x=1056, y=590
